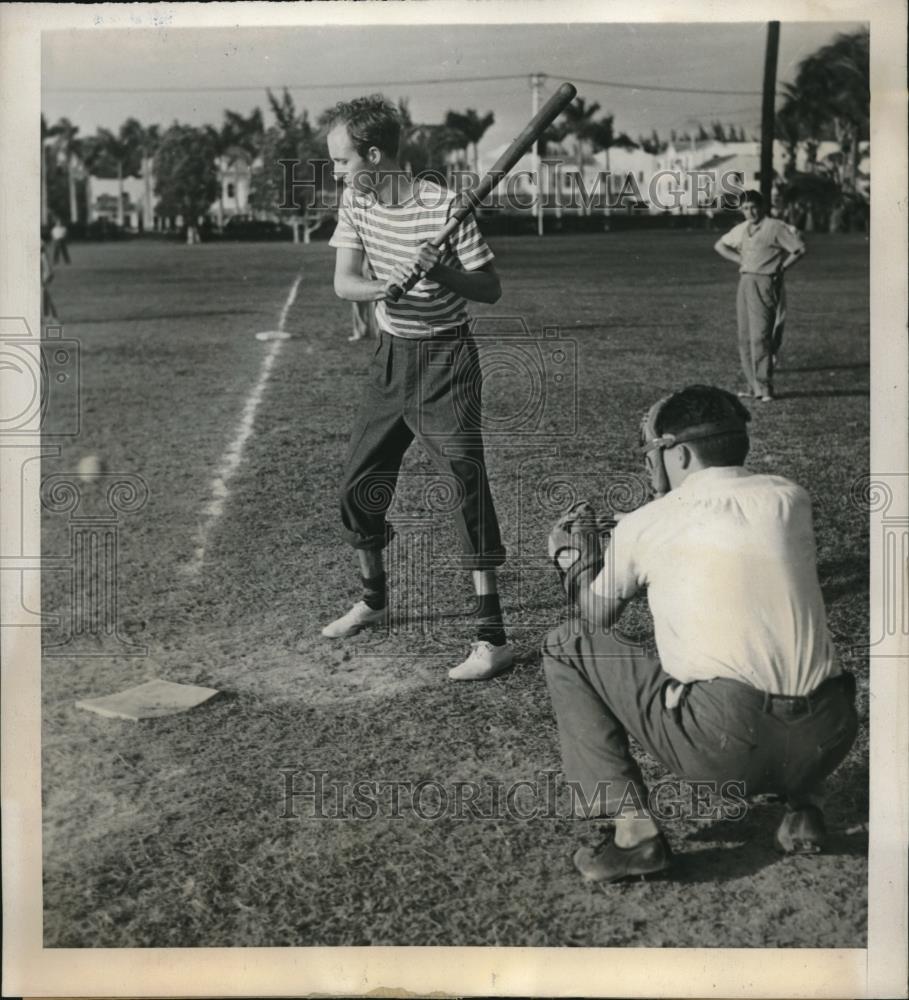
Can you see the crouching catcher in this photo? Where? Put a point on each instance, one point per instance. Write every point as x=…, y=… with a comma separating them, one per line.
x=746, y=687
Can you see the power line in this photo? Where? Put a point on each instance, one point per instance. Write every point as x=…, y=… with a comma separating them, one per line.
x=672, y=90
x=289, y=86
x=228, y=88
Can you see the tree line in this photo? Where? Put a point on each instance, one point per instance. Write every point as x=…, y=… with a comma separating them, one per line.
x=181, y=161
x=829, y=99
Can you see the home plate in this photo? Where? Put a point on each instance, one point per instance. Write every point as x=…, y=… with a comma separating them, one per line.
x=150, y=700
x=273, y=335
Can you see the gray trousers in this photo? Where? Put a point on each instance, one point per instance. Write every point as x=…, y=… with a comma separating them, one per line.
x=604, y=689
x=761, y=310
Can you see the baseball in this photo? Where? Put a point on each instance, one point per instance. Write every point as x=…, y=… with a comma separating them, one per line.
x=90, y=465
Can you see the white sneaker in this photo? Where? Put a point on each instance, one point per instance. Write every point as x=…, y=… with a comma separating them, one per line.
x=484, y=662
x=360, y=616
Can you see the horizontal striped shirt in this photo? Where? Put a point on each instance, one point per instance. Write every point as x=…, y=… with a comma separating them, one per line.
x=392, y=234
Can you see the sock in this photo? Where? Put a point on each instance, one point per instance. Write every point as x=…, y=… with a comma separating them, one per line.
x=374, y=593
x=490, y=627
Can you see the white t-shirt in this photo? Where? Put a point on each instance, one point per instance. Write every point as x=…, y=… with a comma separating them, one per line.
x=764, y=246
x=729, y=559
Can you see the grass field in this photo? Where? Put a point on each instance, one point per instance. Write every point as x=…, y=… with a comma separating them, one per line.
x=170, y=833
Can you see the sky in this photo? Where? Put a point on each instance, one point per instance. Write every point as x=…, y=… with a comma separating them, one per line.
x=158, y=75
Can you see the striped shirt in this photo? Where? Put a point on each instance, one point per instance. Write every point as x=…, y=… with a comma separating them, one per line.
x=392, y=234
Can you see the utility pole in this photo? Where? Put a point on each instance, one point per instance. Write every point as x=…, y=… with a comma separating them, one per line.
x=536, y=83
x=768, y=112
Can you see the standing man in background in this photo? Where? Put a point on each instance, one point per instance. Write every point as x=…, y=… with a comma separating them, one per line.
x=58, y=241
x=763, y=248
x=48, y=310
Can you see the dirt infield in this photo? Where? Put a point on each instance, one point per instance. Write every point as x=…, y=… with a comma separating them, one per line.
x=179, y=832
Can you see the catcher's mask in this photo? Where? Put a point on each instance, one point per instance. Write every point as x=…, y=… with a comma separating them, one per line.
x=653, y=443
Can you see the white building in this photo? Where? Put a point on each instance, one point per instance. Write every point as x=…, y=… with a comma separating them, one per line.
x=103, y=194
x=687, y=177
x=140, y=202
x=235, y=169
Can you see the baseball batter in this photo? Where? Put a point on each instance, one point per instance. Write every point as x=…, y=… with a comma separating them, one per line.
x=425, y=379
x=763, y=248
x=746, y=687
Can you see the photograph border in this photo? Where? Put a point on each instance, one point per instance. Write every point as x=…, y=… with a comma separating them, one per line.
x=30, y=969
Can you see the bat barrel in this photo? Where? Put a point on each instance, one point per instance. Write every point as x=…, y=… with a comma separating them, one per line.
x=470, y=200
x=521, y=144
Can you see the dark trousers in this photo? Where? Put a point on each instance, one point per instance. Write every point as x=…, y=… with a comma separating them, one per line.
x=430, y=389
x=759, y=302
x=603, y=689
x=61, y=251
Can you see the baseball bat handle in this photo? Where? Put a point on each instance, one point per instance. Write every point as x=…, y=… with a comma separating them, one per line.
x=395, y=292
x=470, y=200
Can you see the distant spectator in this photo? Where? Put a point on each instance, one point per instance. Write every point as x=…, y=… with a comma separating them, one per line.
x=48, y=312
x=58, y=241
x=763, y=248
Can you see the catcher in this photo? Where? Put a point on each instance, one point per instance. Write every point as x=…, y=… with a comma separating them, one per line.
x=747, y=687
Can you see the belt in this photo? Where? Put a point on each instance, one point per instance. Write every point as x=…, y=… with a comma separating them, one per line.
x=449, y=333
x=794, y=705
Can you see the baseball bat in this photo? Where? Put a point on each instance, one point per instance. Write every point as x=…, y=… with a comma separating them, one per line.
x=470, y=200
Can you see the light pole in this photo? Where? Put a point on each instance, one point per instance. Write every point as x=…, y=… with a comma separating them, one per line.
x=536, y=83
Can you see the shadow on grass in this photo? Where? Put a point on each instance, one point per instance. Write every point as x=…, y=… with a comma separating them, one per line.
x=847, y=577
x=822, y=392
x=736, y=859
x=721, y=864
x=863, y=366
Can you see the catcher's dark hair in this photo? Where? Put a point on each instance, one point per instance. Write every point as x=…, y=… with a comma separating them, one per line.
x=752, y=196
x=706, y=404
x=371, y=121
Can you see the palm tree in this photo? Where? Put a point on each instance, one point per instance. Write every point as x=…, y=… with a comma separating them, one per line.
x=601, y=135
x=140, y=143
x=97, y=164
x=789, y=130
x=844, y=67
x=124, y=151
x=831, y=97
x=472, y=127
x=551, y=142
x=150, y=140
x=239, y=140
x=579, y=119
x=291, y=137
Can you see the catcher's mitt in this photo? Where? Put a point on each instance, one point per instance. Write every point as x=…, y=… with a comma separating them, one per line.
x=575, y=544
